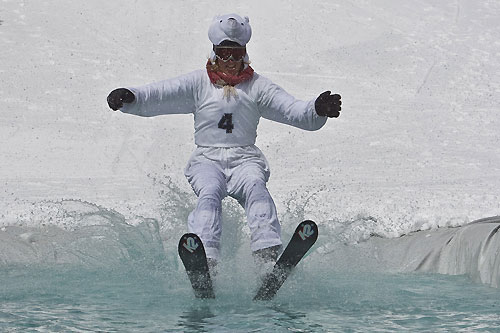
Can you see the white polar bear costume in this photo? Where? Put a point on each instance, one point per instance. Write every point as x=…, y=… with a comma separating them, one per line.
x=226, y=160
x=230, y=27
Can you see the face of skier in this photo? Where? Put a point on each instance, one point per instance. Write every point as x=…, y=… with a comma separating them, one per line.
x=230, y=58
x=231, y=67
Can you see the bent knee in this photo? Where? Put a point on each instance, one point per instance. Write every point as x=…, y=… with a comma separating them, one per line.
x=255, y=187
x=213, y=191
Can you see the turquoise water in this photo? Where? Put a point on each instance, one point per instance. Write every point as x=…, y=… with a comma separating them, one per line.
x=126, y=278
x=131, y=298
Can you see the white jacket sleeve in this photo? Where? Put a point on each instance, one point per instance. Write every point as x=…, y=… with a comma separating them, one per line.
x=172, y=96
x=278, y=105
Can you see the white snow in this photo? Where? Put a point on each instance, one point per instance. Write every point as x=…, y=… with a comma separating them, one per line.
x=417, y=146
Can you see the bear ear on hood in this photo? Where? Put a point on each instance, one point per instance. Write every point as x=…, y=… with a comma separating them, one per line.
x=247, y=19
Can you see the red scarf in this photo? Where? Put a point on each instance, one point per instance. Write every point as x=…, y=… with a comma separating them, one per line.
x=224, y=79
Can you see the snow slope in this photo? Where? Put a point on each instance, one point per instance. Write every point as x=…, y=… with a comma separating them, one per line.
x=417, y=146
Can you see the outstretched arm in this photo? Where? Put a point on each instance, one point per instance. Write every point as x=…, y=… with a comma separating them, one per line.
x=276, y=104
x=172, y=96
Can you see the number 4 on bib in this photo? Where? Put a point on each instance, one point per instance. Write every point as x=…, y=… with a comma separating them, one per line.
x=226, y=122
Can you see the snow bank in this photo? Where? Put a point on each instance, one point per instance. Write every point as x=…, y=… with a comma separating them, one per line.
x=471, y=250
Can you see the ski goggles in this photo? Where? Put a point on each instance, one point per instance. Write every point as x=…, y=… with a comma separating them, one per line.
x=226, y=53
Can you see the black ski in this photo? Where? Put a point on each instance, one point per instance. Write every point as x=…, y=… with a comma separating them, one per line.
x=302, y=240
x=193, y=257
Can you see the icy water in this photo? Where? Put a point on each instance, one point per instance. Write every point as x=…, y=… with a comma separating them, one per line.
x=101, y=274
x=142, y=299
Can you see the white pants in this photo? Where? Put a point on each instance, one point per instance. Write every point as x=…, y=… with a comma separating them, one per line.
x=242, y=173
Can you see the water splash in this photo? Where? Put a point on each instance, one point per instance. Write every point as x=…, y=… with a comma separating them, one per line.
x=78, y=232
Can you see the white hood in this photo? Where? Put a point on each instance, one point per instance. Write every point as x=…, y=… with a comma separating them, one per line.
x=230, y=27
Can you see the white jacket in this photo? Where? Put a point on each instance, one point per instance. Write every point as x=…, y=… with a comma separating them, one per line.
x=194, y=93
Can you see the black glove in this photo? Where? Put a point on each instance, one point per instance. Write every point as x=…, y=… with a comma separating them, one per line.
x=328, y=105
x=119, y=96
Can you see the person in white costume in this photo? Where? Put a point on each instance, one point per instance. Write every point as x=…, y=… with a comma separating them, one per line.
x=227, y=99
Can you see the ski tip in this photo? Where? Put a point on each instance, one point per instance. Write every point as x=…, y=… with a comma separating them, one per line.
x=310, y=222
x=189, y=234
x=189, y=242
x=307, y=230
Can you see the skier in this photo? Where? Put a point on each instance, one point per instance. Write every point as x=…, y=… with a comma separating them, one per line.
x=227, y=100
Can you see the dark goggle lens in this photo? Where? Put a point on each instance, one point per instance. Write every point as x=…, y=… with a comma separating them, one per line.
x=225, y=53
